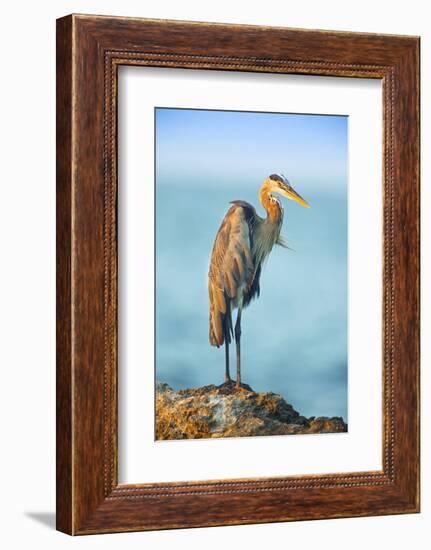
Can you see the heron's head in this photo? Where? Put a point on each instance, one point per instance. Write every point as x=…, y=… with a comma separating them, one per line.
x=277, y=183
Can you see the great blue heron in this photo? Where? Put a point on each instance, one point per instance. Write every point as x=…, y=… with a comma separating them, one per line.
x=242, y=243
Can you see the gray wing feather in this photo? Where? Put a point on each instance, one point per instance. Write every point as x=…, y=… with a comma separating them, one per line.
x=231, y=269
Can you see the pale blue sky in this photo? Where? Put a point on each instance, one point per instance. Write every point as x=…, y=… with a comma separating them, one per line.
x=218, y=146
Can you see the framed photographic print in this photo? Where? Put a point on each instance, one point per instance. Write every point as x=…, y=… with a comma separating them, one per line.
x=237, y=274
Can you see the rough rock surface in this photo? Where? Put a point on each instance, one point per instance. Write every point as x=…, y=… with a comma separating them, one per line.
x=223, y=411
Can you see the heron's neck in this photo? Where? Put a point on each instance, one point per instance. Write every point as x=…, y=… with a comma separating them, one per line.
x=272, y=206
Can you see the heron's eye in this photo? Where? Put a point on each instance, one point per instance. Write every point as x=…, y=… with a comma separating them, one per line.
x=277, y=178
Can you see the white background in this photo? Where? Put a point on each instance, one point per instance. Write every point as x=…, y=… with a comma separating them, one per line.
x=141, y=458
x=27, y=209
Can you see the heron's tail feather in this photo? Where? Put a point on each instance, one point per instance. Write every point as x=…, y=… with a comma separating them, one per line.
x=217, y=311
x=220, y=316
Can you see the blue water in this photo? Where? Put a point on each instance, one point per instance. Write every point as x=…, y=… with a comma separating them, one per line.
x=294, y=337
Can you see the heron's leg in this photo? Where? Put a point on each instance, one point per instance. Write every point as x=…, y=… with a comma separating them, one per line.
x=238, y=347
x=226, y=350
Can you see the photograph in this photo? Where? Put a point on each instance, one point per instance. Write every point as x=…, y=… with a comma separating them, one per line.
x=251, y=273
x=214, y=232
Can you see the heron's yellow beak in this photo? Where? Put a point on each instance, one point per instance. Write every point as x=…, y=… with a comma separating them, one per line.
x=289, y=192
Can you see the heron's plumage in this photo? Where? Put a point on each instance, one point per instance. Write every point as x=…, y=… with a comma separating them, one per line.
x=242, y=244
x=231, y=271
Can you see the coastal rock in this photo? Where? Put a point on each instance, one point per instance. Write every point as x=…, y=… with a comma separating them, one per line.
x=224, y=411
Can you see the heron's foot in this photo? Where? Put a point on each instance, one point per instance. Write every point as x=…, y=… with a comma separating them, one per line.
x=230, y=386
x=228, y=379
x=241, y=386
x=227, y=387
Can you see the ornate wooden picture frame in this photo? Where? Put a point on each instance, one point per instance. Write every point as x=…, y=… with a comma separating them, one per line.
x=89, y=51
